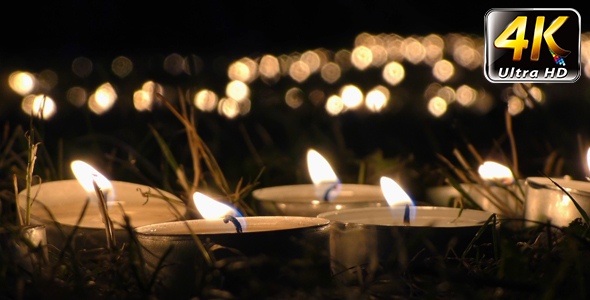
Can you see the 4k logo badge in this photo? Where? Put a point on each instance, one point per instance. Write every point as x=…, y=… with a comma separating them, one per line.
x=532, y=45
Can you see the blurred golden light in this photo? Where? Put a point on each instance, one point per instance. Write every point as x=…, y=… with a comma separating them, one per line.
x=379, y=55
x=587, y=70
x=312, y=60
x=40, y=106
x=82, y=67
x=377, y=99
x=466, y=95
x=237, y=90
x=77, y=96
x=447, y=93
x=414, y=51
x=299, y=71
x=334, y=105
x=285, y=62
x=240, y=71
x=364, y=39
x=142, y=100
x=394, y=46
x=537, y=94
x=22, y=83
x=174, y=64
x=331, y=72
x=47, y=80
x=437, y=106
x=317, y=97
x=361, y=57
x=585, y=49
x=228, y=107
x=294, y=97
x=518, y=90
x=103, y=99
x=515, y=105
x=393, y=73
x=443, y=70
x=152, y=88
x=343, y=59
x=122, y=66
x=351, y=96
x=206, y=100
x=269, y=69
x=433, y=46
x=432, y=90
x=245, y=106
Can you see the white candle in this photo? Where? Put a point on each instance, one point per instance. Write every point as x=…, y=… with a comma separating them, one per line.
x=325, y=194
x=367, y=237
x=66, y=199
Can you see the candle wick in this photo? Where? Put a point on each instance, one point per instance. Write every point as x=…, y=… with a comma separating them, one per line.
x=407, y=215
x=235, y=221
x=329, y=191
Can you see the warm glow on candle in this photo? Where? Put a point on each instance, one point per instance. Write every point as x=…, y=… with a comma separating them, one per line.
x=86, y=174
x=490, y=170
x=327, y=184
x=396, y=196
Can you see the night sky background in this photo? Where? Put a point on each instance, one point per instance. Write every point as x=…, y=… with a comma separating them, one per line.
x=51, y=34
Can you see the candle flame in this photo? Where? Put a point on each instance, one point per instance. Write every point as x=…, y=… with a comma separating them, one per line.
x=211, y=209
x=490, y=170
x=396, y=196
x=326, y=183
x=86, y=174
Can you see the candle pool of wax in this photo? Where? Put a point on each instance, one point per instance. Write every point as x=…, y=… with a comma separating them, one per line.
x=217, y=226
x=66, y=199
x=301, y=199
x=426, y=216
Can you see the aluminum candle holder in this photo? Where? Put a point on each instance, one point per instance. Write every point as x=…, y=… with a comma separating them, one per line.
x=278, y=238
x=362, y=240
x=547, y=202
x=66, y=199
x=301, y=199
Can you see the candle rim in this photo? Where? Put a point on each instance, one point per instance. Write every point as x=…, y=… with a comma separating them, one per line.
x=144, y=231
x=267, y=194
x=482, y=216
x=545, y=183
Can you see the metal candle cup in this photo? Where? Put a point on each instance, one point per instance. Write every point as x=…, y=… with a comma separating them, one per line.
x=66, y=199
x=277, y=238
x=547, y=202
x=301, y=199
x=365, y=238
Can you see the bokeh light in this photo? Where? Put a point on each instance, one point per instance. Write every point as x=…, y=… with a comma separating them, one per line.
x=82, y=67
x=294, y=97
x=206, y=100
x=229, y=108
x=361, y=57
x=142, y=100
x=77, y=96
x=466, y=95
x=269, y=69
x=433, y=47
x=443, y=70
x=393, y=73
x=39, y=106
x=103, y=99
x=312, y=60
x=237, y=90
x=394, y=46
x=537, y=94
x=122, y=66
x=351, y=96
x=174, y=64
x=334, y=105
x=23, y=83
x=331, y=72
x=377, y=98
x=343, y=59
x=515, y=105
x=414, y=51
x=299, y=71
x=447, y=93
x=47, y=80
x=379, y=54
x=437, y=106
x=244, y=70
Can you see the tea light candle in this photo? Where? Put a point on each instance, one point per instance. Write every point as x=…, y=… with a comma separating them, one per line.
x=496, y=198
x=366, y=237
x=325, y=194
x=66, y=199
x=547, y=202
x=277, y=237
